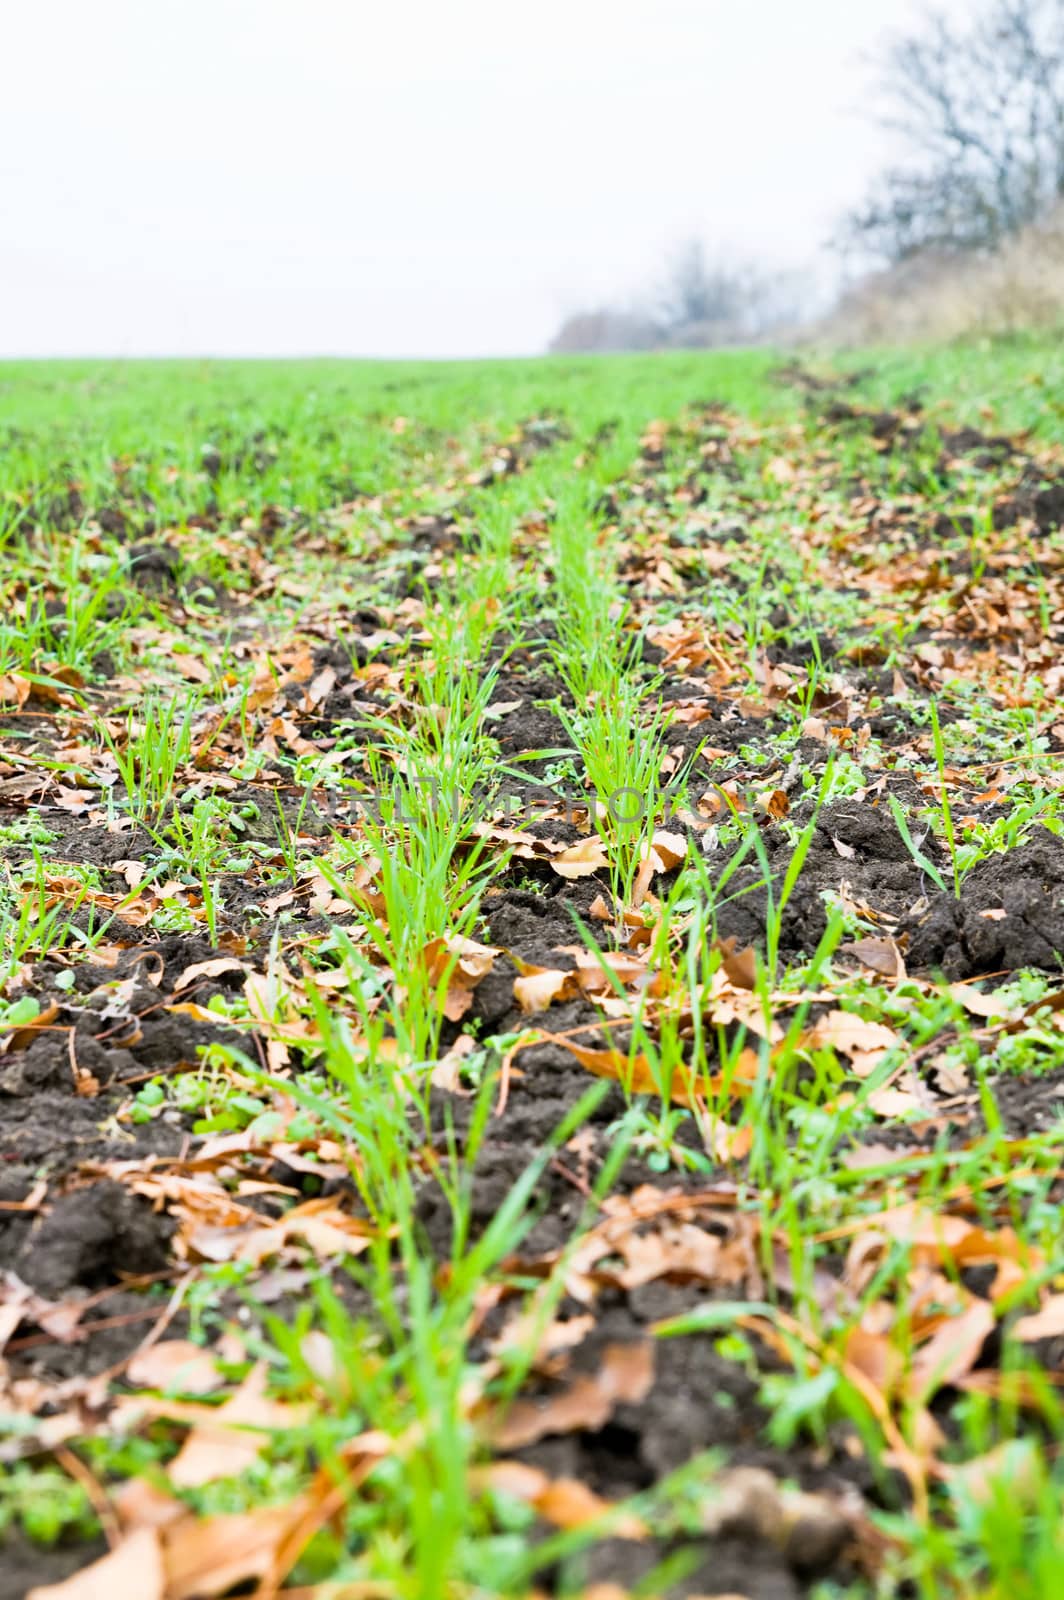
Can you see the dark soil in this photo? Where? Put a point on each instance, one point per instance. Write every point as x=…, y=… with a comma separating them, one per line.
x=697, y=1403
x=1010, y=915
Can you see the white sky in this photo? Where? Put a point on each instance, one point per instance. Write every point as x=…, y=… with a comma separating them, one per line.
x=406, y=177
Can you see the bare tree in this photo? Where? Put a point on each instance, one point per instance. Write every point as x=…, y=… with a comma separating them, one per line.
x=696, y=294
x=697, y=307
x=981, y=106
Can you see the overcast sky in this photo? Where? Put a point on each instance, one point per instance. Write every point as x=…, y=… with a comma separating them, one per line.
x=406, y=177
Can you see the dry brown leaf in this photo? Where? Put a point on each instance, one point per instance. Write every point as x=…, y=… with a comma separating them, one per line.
x=567, y=1503
x=189, y=1008
x=889, y=1102
x=524, y=846
x=669, y=848
x=192, y=668
x=549, y=1341
x=134, y=872
x=1048, y=1323
x=321, y=1224
x=447, y=1073
x=952, y=1349
x=679, y=1249
x=740, y=966
x=977, y=1003
x=538, y=987
x=140, y=1504
x=880, y=955
x=984, y=1476
x=462, y=962
x=936, y=1237
x=594, y=967
x=76, y=801
x=207, y=1558
x=321, y=686
x=564, y=1502
x=174, y=1364
x=635, y=1075
x=625, y=1373
x=582, y=859
x=872, y=1353
x=60, y=1319
x=873, y=1155
x=655, y=1236
x=726, y=1143
x=865, y=1043
x=20, y=1038
x=229, y=1439
x=15, y=690
x=134, y=1570
x=207, y=969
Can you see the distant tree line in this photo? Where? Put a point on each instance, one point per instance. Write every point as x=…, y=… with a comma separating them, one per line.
x=699, y=305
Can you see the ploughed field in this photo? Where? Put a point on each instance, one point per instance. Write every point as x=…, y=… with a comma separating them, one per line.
x=531, y=994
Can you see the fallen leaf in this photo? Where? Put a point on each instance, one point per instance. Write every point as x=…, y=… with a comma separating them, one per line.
x=880, y=955
x=189, y=1008
x=740, y=966
x=460, y=963
x=952, y=1349
x=548, y=1341
x=538, y=987
x=134, y=1570
x=625, y=1373
x=19, y=1038
x=1010, y=1468
x=582, y=859
x=873, y=1354
x=977, y=1003
x=60, y=1319
x=320, y=1223
x=564, y=1502
x=890, y=1102
x=864, y=1042
x=174, y=1364
x=447, y=1073
x=231, y=1438
x=207, y=969
x=1048, y=1323
x=141, y=1505
x=670, y=849
x=209, y=1557
x=191, y=667
x=941, y=1238
x=634, y=1074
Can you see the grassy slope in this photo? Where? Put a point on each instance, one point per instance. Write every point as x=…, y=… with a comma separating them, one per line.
x=1010, y=384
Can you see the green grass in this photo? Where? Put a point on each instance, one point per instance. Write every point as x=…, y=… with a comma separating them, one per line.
x=295, y=742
